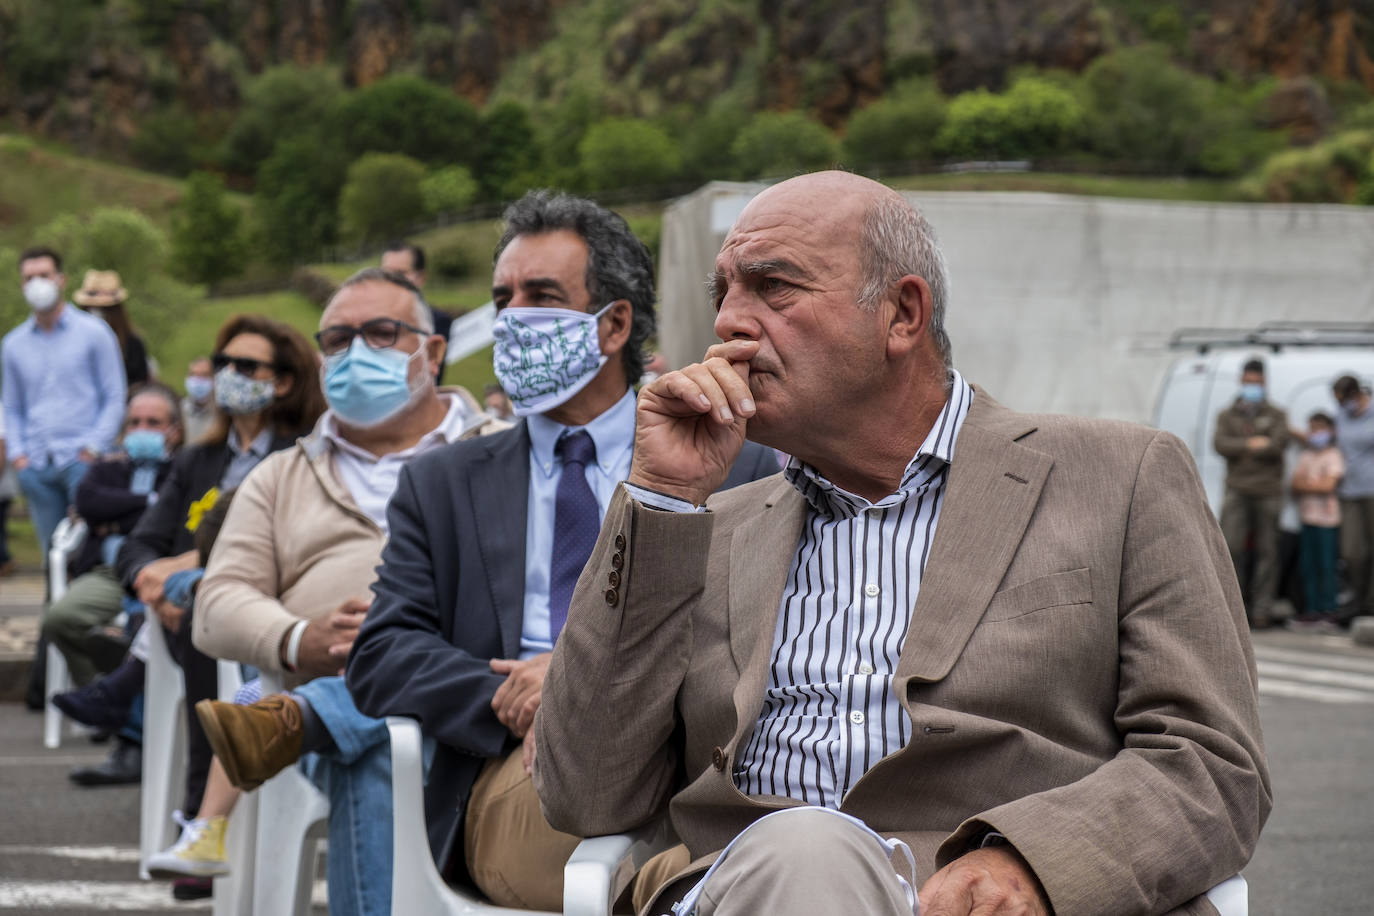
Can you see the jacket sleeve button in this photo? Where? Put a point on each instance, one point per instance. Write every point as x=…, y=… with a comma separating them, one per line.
x=618, y=560
x=614, y=579
x=612, y=597
x=718, y=759
x=620, y=542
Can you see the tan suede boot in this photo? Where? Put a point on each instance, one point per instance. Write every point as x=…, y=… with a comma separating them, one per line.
x=256, y=742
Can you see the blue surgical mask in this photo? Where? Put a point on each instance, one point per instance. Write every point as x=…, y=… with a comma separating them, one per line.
x=365, y=387
x=145, y=444
x=1319, y=439
x=544, y=356
x=199, y=388
x=1251, y=393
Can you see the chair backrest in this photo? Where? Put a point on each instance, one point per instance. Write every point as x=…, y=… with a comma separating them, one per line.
x=66, y=540
x=164, y=747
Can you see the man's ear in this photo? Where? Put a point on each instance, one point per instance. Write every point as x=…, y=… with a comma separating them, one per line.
x=615, y=327
x=435, y=350
x=912, y=304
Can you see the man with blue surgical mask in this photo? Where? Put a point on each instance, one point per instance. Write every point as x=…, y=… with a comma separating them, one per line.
x=1252, y=435
x=198, y=407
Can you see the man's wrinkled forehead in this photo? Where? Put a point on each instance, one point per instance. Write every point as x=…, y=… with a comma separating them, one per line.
x=364, y=301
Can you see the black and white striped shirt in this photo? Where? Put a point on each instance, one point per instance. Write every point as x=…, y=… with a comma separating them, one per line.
x=829, y=712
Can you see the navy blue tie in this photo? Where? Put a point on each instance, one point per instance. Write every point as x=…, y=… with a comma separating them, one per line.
x=576, y=523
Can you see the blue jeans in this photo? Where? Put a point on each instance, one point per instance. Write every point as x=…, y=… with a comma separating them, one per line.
x=50, y=490
x=356, y=776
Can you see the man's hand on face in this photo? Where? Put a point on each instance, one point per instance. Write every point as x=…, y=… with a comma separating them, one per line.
x=517, y=699
x=993, y=881
x=327, y=640
x=689, y=424
x=150, y=579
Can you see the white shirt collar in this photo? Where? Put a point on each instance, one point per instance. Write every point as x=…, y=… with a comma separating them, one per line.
x=457, y=421
x=613, y=433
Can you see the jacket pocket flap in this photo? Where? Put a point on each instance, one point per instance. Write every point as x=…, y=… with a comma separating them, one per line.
x=1073, y=586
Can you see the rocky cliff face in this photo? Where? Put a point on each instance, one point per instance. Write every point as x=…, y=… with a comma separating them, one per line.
x=827, y=56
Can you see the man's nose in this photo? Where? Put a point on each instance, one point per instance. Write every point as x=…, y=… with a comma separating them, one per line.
x=734, y=320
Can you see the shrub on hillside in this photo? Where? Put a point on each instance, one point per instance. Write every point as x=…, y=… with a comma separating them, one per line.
x=108, y=238
x=507, y=149
x=295, y=202
x=1036, y=117
x=1336, y=171
x=381, y=197
x=705, y=139
x=169, y=141
x=448, y=190
x=407, y=115
x=452, y=262
x=783, y=143
x=280, y=104
x=899, y=128
x=627, y=153
x=207, y=232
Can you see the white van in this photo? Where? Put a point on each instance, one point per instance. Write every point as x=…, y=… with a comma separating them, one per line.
x=1301, y=360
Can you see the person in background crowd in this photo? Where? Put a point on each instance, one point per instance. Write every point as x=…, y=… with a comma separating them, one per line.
x=267, y=389
x=64, y=392
x=1355, y=438
x=198, y=407
x=1316, y=476
x=9, y=488
x=488, y=536
x=409, y=260
x=111, y=498
x=1252, y=435
x=495, y=402
x=103, y=294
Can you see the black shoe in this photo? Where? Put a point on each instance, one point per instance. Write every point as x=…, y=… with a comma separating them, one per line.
x=123, y=767
x=93, y=705
x=106, y=647
x=193, y=888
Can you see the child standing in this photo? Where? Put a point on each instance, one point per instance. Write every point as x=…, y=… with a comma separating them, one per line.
x=1318, y=471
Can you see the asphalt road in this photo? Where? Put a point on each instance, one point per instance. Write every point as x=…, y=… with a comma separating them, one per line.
x=65, y=850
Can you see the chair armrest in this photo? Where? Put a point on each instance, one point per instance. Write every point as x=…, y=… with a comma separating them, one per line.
x=1231, y=897
x=602, y=867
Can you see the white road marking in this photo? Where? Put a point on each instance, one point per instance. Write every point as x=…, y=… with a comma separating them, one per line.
x=53, y=760
x=1279, y=688
x=89, y=853
x=106, y=896
x=1317, y=659
x=1317, y=675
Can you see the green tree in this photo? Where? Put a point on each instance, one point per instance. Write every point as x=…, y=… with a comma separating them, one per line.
x=381, y=197
x=508, y=150
x=1036, y=117
x=898, y=128
x=705, y=139
x=207, y=232
x=627, y=153
x=408, y=115
x=783, y=143
x=108, y=238
x=448, y=190
x=280, y=104
x=295, y=203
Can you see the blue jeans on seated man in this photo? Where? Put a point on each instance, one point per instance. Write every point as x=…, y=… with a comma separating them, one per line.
x=355, y=774
x=50, y=489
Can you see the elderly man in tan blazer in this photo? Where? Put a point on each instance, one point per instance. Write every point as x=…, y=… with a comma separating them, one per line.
x=1012, y=642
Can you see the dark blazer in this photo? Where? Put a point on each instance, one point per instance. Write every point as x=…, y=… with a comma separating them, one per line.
x=450, y=597
x=162, y=531
x=104, y=500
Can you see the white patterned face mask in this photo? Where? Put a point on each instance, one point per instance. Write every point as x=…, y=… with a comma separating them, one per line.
x=544, y=356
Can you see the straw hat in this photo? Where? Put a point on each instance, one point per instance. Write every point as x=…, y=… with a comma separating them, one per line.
x=100, y=287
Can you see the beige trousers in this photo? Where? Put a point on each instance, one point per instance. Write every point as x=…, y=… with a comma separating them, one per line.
x=514, y=856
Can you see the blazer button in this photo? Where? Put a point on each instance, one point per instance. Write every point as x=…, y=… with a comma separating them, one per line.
x=614, y=579
x=718, y=759
x=612, y=596
x=620, y=542
x=618, y=560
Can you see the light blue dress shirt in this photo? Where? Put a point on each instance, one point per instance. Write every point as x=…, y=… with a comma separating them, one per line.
x=63, y=389
x=614, y=435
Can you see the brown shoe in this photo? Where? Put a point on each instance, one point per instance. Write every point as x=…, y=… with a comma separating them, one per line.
x=253, y=743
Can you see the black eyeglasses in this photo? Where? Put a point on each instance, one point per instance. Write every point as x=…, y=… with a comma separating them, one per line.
x=243, y=365
x=379, y=334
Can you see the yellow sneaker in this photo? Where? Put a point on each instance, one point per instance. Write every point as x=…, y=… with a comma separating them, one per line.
x=199, y=852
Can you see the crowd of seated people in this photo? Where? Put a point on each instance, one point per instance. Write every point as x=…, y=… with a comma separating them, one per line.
x=613, y=600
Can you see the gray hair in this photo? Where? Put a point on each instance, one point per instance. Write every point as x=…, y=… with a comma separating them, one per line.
x=618, y=264
x=896, y=240
x=422, y=318
x=157, y=389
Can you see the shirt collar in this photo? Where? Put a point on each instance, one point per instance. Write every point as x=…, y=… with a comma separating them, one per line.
x=457, y=421
x=63, y=319
x=613, y=433
x=260, y=446
x=935, y=454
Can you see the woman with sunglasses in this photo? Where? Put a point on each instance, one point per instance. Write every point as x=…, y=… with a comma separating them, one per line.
x=267, y=394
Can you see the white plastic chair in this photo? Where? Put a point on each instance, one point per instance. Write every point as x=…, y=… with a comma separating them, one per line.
x=234, y=891
x=164, y=748
x=596, y=874
x=1231, y=897
x=293, y=821
x=66, y=539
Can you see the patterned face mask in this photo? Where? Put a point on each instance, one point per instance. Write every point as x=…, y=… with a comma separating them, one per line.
x=544, y=356
x=238, y=395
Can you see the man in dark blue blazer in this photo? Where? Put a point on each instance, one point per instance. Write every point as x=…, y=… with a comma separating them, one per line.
x=484, y=540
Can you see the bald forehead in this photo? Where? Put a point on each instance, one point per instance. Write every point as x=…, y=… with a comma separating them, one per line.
x=370, y=299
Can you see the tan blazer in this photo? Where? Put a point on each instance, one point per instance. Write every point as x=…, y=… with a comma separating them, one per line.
x=1077, y=670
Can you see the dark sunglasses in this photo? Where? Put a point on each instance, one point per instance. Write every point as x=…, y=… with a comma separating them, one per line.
x=243, y=365
x=379, y=334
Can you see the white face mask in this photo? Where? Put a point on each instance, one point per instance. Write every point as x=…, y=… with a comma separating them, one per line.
x=544, y=356
x=42, y=294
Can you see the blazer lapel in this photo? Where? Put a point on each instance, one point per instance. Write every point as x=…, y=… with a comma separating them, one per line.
x=993, y=488
x=761, y=552
x=498, y=489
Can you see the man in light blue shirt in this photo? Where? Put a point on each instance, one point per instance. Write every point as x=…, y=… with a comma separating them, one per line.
x=63, y=392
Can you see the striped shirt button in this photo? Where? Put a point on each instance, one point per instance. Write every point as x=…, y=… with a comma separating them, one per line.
x=871, y=590
x=856, y=717
x=865, y=668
